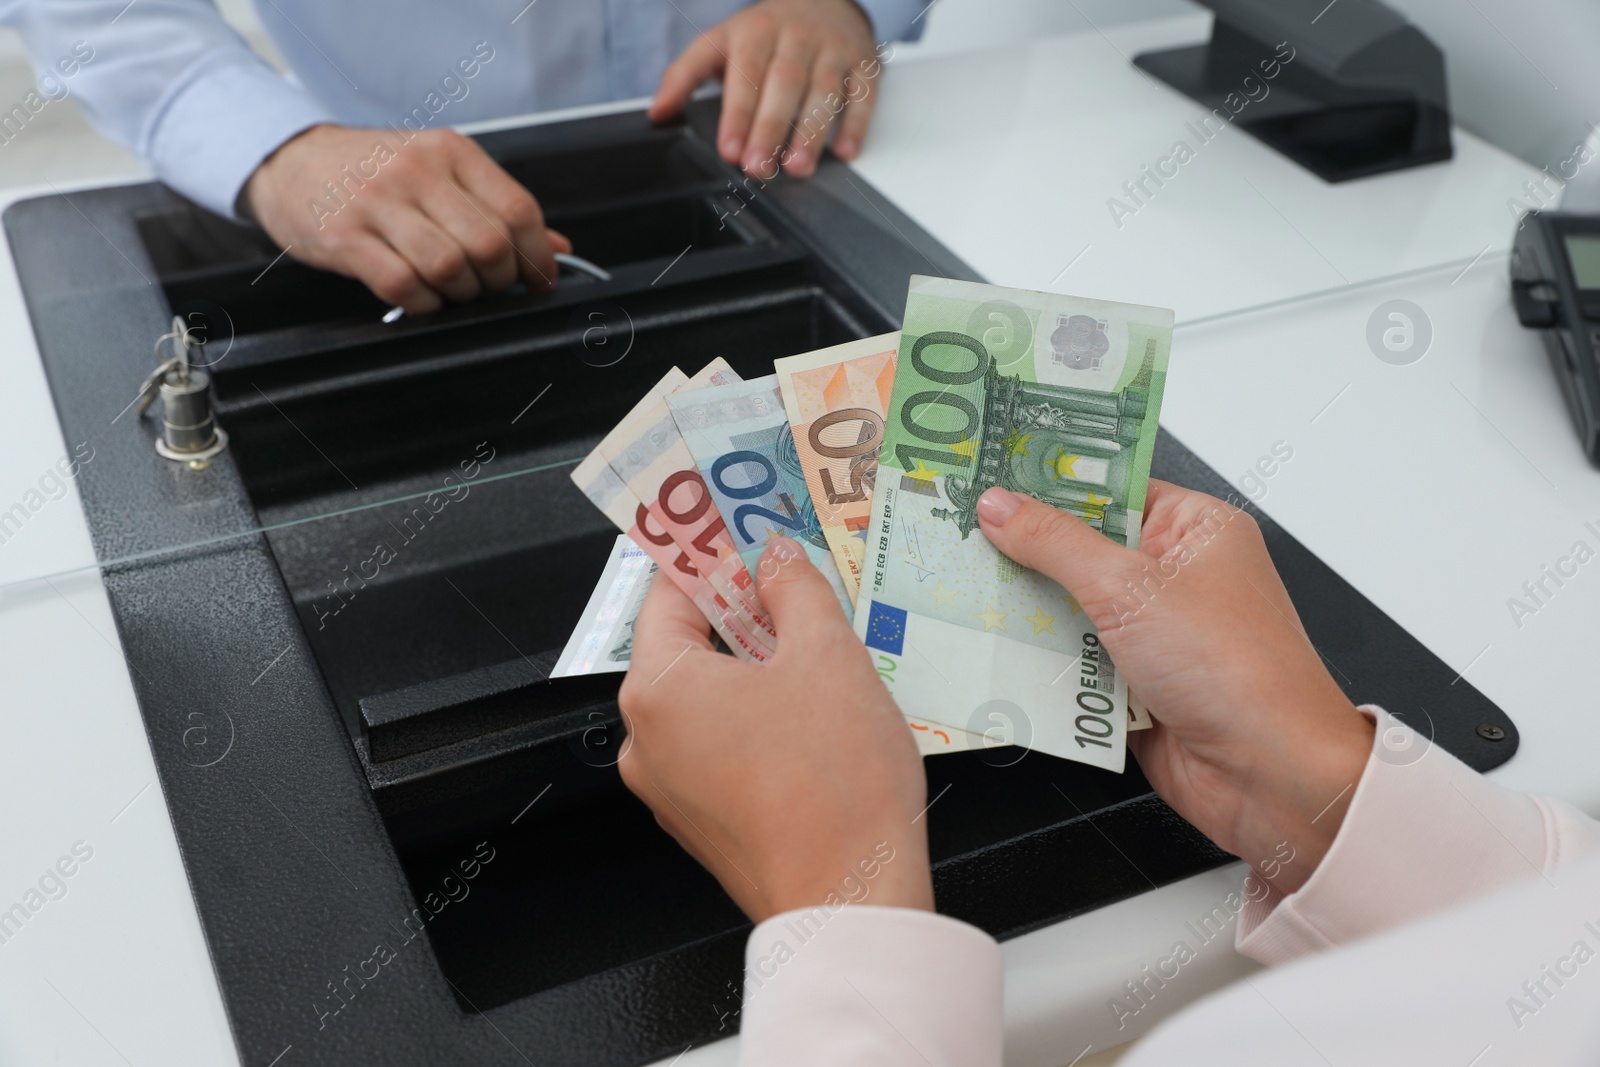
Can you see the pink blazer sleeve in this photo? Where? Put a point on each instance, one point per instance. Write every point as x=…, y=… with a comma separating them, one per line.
x=890, y=987
x=866, y=985
x=1423, y=832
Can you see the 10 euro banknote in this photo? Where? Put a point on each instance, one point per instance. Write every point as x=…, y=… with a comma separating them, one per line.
x=1049, y=395
x=643, y=478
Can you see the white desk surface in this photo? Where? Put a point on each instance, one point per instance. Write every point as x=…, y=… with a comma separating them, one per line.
x=1009, y=157
x=1436, y=488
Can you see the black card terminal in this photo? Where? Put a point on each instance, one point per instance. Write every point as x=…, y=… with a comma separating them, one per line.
x=1555, y=284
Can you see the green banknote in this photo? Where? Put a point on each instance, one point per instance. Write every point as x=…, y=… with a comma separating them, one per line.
x=1049, y=395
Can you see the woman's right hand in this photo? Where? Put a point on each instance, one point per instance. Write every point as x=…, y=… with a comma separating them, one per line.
x=1253, y=742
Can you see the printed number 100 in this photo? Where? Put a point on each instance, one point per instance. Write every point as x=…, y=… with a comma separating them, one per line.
x=1096, y=729
x=907, y=455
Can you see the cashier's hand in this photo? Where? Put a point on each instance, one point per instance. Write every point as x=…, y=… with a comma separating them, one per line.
x=785, y=65
x=430, y=220
x=790, y=780
x=1252, y=739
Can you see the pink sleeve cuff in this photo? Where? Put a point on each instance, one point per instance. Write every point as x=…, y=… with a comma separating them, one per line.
x=862, y=984
x=1423, y=832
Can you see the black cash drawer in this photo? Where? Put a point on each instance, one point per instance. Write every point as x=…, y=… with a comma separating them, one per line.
x=415, y=848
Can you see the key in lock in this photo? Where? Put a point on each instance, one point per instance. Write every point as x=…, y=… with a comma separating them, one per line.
x=189, y=430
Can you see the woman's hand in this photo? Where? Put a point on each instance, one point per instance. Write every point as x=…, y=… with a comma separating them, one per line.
x=1253, y=742
x=790, y=781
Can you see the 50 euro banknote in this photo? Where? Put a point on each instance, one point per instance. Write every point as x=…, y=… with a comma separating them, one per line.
x=836, y=399
x=1049, y=395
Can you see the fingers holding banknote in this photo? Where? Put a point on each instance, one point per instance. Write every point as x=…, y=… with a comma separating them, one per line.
x=789, y=780
x=1253, y=738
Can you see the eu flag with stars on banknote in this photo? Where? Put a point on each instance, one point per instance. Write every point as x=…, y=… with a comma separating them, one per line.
x=886, y=630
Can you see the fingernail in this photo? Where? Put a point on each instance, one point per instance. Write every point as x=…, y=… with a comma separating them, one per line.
x=844, y=148
x=785, y=549
x=996, y=506
x=733, y=146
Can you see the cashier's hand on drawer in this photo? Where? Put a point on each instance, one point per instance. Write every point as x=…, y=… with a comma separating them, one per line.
x=789, y=68
x=790, y=781
x=1253, y=742
x=422, y=222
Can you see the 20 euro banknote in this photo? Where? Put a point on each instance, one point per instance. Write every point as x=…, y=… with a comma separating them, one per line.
x=741, y=441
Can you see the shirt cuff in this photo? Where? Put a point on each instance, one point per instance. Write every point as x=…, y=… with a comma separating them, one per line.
x=219, y=122
x=862, y=984
x=1423, y=831
x=895, y=20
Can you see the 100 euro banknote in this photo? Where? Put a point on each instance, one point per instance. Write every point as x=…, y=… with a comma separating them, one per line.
x=836, y=399
x=1053, y=396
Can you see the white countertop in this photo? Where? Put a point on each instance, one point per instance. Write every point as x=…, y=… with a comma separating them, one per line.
x=1010, y=157
x=1437, y=489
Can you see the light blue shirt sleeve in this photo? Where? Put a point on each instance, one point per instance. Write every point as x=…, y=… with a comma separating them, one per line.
x=896, y=20
x=173, y=82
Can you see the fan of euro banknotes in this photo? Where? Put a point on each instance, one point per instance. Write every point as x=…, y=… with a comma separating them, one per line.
x=872, y=455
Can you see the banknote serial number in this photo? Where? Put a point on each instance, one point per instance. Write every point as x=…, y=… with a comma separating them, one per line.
x=1094, y=725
